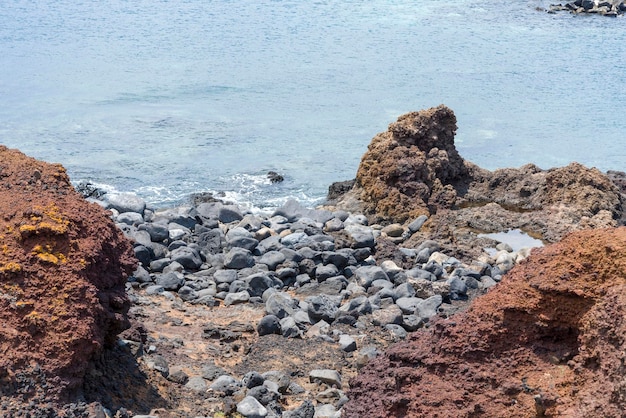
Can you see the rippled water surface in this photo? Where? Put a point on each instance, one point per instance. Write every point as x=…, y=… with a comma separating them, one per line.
x=170, y=97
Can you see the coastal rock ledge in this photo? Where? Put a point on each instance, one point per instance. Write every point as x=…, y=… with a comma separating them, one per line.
x=63, y=269
x=414, y=169
x=548, y=341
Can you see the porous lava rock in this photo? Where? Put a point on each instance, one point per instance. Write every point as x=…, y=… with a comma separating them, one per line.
x=63, y=268
x=549, y=340
x=414, y=169
x=413, y=166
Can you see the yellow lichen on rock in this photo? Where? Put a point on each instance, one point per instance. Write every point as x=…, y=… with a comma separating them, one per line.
x=10, y=267
x=45, y=220
x=46, y=254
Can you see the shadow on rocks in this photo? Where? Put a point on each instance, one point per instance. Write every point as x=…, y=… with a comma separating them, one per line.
x=116, y=381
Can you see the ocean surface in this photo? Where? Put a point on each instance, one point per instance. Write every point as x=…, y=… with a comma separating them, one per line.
x=165, y=98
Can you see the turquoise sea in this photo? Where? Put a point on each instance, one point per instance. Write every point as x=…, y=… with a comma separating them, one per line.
x=165, y=98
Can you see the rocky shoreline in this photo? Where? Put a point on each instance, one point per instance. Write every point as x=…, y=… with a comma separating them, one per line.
x=340, y=310
x=303, y=274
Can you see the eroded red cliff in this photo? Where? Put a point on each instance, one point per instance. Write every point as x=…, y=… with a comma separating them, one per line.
x=549, y=340
x=63, y=266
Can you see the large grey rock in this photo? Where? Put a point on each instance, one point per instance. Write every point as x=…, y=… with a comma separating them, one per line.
x=264, y=395
x=390, y=315
x=326, y=376
x=259, y=283
x=188, y=257
x=236, y=298
x=158, y=232
x=458, y=288
x=130, y=218
x=357, y=306
x=293, y=239
x=225, y=276
x=125, y=202
x=225, y=384
x=281, y=379
x=252, y=379
x=197, y=384
x=211, y=241
x=281, y=305
x=272, y=259
x=347, y=343
x=289, y=328
x=365, y=275
x=187, y=294
x=269, y=324
x=428, y=307
x=292, y=210
x=241, y=237
x=362, y=235
x=322, y=307
x=408, y=304
x=238, y=258
x=324, y=272
x=249, y=407
x=170, y=281
x=416, y=225
x=404, y=290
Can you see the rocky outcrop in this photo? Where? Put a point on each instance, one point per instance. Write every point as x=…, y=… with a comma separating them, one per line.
x=610, y=8
x=547, y=341
x=63, y=267
x=414, y=169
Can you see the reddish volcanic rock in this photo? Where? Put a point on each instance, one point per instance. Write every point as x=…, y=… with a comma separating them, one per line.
x=412, y=166
x=549, y=340
x=63, y=267
x=414, y=169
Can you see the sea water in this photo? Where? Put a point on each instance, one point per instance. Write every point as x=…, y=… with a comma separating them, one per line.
x=165, y=98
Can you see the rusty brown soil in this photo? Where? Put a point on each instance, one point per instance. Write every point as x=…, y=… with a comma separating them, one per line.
x=549, y=340
x=63, y=266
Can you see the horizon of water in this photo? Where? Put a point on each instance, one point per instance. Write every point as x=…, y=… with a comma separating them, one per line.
x=173, y=97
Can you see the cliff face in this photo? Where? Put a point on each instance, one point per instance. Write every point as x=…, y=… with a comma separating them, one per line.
x=414, y=169
x=63, y=267
x=547, y=341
